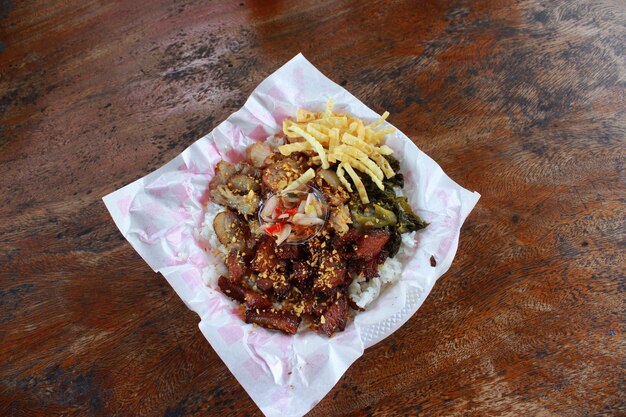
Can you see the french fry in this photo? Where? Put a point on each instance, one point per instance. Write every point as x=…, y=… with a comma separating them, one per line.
x=373, y=152
x=383, y=132
x=305, y=116
x=370, y=150
x=314, y=143
x=357, y=183
x=294, y=147
x=329, y=108
x=356, y=164
x=358, y=142
x=344, y=140
x=362, y=157
x=286, y=124
x=370, y=135
x=342, y=178
x=378, y=122
x=321, y=128
x=333, y=143
x=333, y=121
x=384, y=165
x=290, y=135
x=353, y=151
x=376, y=181
x=301, y=180
x=321, y=137
x=379, y=135
x=360, y=131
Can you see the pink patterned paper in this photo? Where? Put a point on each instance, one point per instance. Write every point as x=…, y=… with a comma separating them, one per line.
x=160, y=213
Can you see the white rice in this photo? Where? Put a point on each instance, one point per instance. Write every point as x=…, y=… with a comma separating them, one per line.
x=216, y=251
x=361, y=292
x=207, y=234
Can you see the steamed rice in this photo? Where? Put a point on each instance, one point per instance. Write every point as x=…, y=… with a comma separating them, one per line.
x=364, y=292
x=217, y=251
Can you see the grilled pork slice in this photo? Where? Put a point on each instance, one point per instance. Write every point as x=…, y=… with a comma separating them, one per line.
x=236, y=266
x=371, y=243
x=265, y=285
x=274, y=319
x=255, y=300
x=301, y=273
x=343, y=242
x=334, y=317
x=288, y=252
x=280, y=283
x=238, y=293
x=232, y=289
x=274, y=282
x=310, y=304
x=366, y=267
x=331, y=274
x=265, y=258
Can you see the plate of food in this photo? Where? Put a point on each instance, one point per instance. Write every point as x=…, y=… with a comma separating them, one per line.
x=303, y=229
x=309, y=222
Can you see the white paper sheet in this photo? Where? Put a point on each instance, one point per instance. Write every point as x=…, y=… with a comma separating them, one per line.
x=158, y=214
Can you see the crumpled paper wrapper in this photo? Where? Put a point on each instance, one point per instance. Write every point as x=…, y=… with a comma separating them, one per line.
x=160, y=213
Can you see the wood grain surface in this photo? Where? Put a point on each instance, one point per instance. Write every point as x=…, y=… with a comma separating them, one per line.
x=521, y=101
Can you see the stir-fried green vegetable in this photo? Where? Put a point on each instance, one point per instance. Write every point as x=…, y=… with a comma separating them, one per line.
x=377, y=217
x=409, y=220
x=386, y=210
x=398, y=179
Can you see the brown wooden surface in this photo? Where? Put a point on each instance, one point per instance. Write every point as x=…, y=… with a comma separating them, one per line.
x=521, y=101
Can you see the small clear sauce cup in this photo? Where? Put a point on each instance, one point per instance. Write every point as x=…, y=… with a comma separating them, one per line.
x=305, y=233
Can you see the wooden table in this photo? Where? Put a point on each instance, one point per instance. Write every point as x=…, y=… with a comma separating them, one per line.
x=521, y=101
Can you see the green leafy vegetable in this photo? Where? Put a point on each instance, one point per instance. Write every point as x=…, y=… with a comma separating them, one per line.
x=386, y=210
x=376, y=216
x=393, y=245
x=395, y=181
x=393, y=162
x=416, y=222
